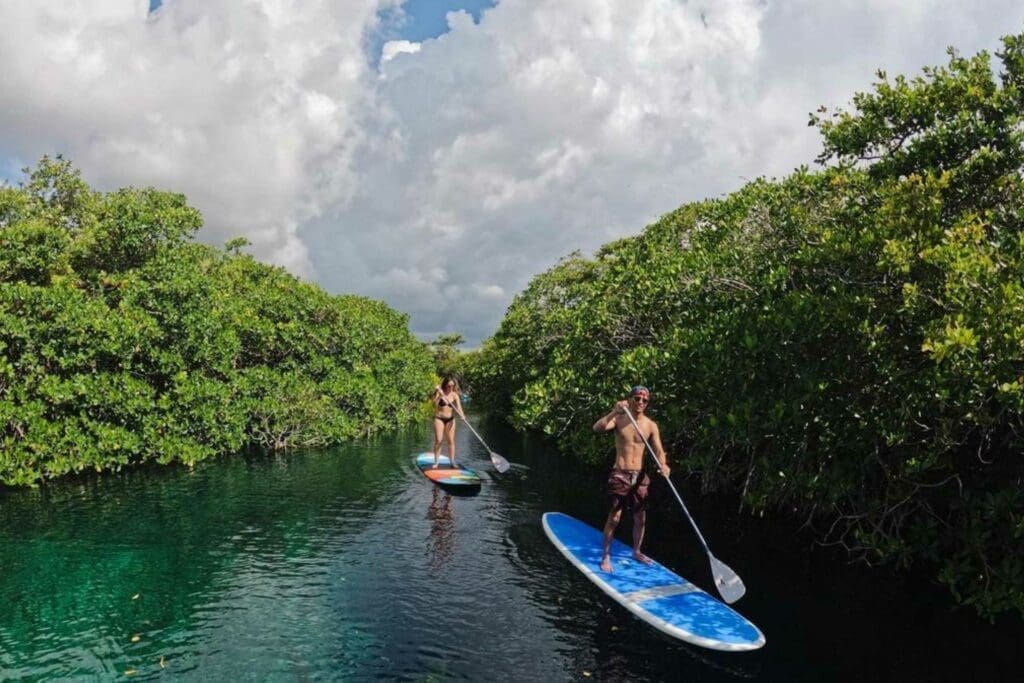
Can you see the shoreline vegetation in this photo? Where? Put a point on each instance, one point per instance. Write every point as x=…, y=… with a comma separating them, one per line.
x=122, y=340
x=844, y=345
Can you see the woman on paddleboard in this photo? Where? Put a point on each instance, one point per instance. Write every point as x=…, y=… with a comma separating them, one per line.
x=446, y=404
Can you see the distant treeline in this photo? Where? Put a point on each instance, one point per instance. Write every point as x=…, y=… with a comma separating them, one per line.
x=122, y=340
x=846, y=345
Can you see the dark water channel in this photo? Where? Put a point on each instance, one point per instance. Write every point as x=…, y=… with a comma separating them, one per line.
x=346, y=564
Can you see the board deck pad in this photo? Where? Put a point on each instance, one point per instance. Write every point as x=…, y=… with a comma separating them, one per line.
x=652, y=592
x=446, y=475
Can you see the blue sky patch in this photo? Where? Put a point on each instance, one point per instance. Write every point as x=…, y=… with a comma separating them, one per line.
x=425, y=19
x=420, y=20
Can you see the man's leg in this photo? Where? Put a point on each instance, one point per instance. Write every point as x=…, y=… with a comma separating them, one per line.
x=614, y=515
x=639, y=523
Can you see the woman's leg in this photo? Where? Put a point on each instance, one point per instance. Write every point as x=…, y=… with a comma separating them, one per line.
x=438, y=435
x=449, y=432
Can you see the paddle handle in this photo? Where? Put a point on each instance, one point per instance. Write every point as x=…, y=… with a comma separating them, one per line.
x=670, y=484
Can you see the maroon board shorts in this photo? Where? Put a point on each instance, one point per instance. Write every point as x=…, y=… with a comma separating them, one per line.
x=628, y=489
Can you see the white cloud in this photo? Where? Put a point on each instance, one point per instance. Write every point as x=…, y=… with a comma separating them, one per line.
x=393, y=48
x=493, y=292
x=446, y=176
x=251, y=109
x=561, y=124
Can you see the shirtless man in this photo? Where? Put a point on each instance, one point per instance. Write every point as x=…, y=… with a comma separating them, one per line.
x=627, y=483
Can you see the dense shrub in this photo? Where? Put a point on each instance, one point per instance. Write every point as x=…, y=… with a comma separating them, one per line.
x=122, y=340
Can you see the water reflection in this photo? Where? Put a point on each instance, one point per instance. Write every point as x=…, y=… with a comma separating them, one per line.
x=442, y=529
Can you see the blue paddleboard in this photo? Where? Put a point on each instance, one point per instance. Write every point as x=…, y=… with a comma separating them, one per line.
x=657, y=595
x=458, y=478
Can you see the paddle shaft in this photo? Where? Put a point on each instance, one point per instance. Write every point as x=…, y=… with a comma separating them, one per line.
x=470, y=427
x=670, y=484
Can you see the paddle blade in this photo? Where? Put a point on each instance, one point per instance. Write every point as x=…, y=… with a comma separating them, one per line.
x=500, y=463
x=728, y=582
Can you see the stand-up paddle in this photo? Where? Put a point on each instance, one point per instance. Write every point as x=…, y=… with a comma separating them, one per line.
x=728, y=582
x=500, y=463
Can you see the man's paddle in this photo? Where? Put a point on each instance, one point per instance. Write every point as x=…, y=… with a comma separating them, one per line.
x=500, y=463
x=728, y=582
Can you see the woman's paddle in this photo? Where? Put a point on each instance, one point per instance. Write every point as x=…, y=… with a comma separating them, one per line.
x=500, y=463
x=728, y=582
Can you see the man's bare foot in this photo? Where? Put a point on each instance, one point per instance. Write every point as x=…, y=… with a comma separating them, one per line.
x=606, y=564
x=434, y=467
x=640, y=557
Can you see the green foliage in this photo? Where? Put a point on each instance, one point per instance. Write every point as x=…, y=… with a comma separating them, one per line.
x=123, y=341
x=845, y=344
x=447, y=359
x=33, y=252
x=131, y=227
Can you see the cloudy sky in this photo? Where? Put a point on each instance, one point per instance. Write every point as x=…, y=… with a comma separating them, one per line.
x=438, y=154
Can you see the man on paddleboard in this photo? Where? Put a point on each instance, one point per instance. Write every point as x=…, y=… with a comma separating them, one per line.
x=628, y=483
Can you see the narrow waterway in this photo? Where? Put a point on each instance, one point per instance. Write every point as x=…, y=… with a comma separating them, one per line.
x=347, y=564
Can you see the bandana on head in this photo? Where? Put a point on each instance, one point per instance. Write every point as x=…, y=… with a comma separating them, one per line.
x=639, y=390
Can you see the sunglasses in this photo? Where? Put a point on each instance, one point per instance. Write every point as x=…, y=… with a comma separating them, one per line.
x=641, y=399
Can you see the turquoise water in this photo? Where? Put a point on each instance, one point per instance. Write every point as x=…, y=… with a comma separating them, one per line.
x=346, y=564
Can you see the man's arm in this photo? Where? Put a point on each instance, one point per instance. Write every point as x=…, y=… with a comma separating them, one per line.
x=659, y=450
x=607, y=423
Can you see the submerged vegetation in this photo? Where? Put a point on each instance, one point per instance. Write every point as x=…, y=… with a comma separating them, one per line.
x=122, y=340
x=845, y=344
